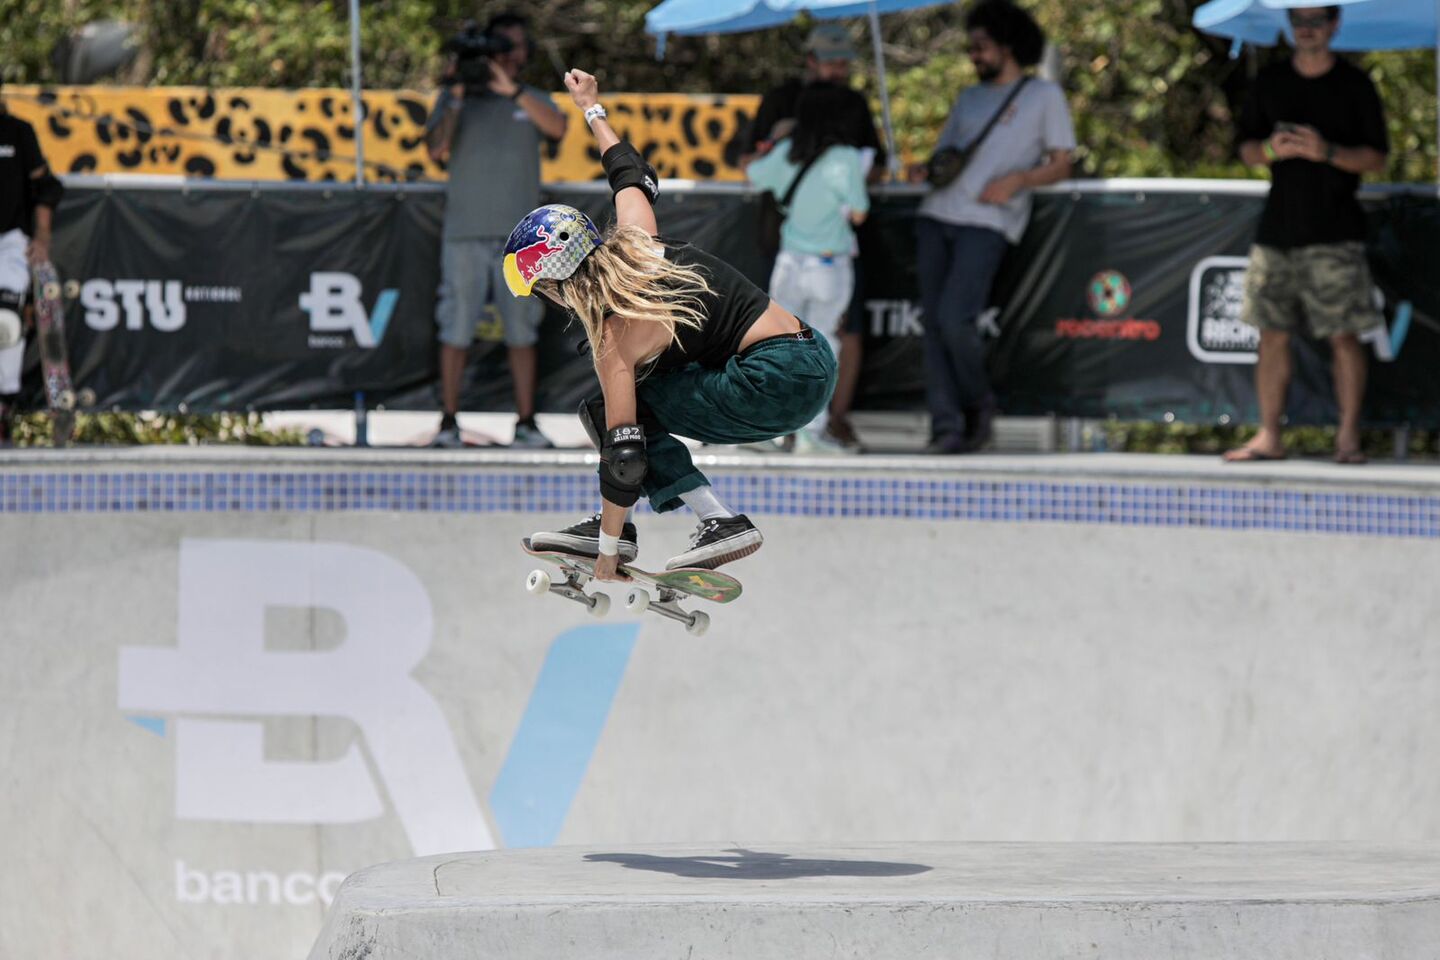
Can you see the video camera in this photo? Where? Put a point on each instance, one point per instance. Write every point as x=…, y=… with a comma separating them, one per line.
x=473, y=48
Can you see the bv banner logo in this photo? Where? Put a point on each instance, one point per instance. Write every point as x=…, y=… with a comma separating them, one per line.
x=220, y=671
x=333, y=303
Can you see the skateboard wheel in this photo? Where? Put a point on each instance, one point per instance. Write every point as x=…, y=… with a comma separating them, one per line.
x=599, y=604
x=66, y=400
x=699, y=623
x=86, y=397
x=637, y=600
x=538, y=582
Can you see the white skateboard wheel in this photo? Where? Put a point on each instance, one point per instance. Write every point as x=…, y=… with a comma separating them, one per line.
x=637, y=600
x=538, y=582
x=600, y=605
x=699, y=623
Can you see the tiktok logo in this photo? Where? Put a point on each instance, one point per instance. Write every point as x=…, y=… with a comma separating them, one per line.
x=219, y=679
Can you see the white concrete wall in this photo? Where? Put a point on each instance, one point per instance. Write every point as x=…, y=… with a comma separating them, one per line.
x=879, y=680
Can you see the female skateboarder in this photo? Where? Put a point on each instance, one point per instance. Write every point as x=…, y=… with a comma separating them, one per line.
x=682, y=343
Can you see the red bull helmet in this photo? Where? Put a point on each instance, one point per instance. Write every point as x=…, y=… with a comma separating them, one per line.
x=549, y=243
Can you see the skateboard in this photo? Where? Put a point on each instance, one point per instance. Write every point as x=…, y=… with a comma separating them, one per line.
x=670, y=586
x=54, y=357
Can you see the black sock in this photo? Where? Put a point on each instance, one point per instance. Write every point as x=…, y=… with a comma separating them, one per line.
x=448, y=422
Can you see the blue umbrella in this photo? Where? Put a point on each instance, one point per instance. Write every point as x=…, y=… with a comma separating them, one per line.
x=1364, y=25
x=698, y=17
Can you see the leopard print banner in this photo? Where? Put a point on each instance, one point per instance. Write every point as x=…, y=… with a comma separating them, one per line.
x=260, y=134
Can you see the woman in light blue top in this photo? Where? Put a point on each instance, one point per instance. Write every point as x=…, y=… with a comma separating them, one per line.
x=814, y=275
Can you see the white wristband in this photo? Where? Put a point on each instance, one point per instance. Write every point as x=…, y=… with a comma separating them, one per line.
x=609, y=546
x=594, y=112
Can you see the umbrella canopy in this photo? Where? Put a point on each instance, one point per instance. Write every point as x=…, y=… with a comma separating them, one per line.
x=1364, y=24
x=690, y=17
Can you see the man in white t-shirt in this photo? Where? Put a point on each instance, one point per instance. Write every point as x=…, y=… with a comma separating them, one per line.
x=965, y=227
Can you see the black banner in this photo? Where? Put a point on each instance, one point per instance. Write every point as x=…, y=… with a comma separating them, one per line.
x=1116, y=303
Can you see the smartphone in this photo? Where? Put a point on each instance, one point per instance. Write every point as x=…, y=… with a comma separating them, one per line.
x=1285, y=126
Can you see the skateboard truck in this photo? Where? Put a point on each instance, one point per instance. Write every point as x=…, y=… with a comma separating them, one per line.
x=638, y=601
x=572, y=589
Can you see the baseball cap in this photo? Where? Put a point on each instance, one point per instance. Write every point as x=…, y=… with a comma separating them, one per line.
x=830, y=41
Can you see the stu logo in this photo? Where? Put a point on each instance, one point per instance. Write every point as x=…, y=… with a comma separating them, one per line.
x=161, y=302
x=334, y=305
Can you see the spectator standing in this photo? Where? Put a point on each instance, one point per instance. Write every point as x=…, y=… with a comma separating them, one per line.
x=829, y=59
x=814, y=274
x=29, y=193
x=965, y=227
x=1315, y=120
x=492, y=136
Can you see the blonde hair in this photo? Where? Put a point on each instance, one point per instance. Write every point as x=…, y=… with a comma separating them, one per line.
x=627, y=278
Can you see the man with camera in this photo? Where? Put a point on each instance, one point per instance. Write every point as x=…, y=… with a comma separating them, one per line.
x=490, y=126
x=1005, y=136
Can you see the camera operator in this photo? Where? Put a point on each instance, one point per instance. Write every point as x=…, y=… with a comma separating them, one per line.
x=490, y=126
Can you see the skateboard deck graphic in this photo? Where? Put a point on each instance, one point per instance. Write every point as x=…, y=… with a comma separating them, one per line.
x=671, y=586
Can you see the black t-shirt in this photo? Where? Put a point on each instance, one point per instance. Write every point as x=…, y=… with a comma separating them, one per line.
x=19, y=157
x=1313, y=202
x=730, y=309
x=857, y=125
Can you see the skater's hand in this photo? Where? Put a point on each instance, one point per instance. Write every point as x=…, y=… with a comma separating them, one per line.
x=607, y=567
x=584, y=88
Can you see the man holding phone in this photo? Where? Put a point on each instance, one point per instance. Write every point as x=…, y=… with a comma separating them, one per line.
x=1315, y=120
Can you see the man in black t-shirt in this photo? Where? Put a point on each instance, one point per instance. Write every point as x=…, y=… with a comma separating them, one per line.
x=828, y=58
x=28, y=196
x=1316, y=121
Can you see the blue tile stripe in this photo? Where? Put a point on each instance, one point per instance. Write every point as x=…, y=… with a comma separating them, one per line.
x=1130, y=504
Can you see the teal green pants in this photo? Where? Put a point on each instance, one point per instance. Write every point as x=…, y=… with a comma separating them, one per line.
x=772, y=389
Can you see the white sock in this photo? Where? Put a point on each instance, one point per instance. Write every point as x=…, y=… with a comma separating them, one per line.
x=706, y=505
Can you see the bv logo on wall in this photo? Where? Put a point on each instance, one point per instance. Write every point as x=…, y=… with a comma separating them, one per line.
x=334, y=305
x=220, y=681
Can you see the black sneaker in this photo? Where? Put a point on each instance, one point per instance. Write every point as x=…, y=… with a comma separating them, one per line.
x=719, y=540
x=583, y=540
x=449, y=433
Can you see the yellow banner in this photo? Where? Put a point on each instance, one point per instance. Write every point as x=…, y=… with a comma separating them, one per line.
x=250, y=133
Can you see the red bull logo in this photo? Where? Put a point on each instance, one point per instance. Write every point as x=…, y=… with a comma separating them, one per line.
x=523, y=267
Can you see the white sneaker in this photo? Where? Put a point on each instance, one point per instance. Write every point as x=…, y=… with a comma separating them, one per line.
x=819, y=443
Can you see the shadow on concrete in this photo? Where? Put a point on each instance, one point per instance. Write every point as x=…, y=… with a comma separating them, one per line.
x=752, y=865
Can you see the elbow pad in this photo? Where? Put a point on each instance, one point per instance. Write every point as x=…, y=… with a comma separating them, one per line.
x=625, y=167
x=623, y=464
x=46, y=191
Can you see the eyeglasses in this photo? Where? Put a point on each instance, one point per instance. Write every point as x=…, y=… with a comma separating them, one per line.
x=1314, y=22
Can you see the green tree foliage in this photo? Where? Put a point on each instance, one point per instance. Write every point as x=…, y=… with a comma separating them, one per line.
x=1150, y=95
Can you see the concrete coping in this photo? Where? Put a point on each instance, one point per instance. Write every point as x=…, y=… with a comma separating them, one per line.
x=999, y=900
x=1052, y=468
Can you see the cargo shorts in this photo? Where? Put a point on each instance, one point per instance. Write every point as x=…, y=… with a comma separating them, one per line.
x=1326, y=286
x=472, y=283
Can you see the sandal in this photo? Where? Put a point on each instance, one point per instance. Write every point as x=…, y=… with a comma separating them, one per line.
x=1250, y=455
